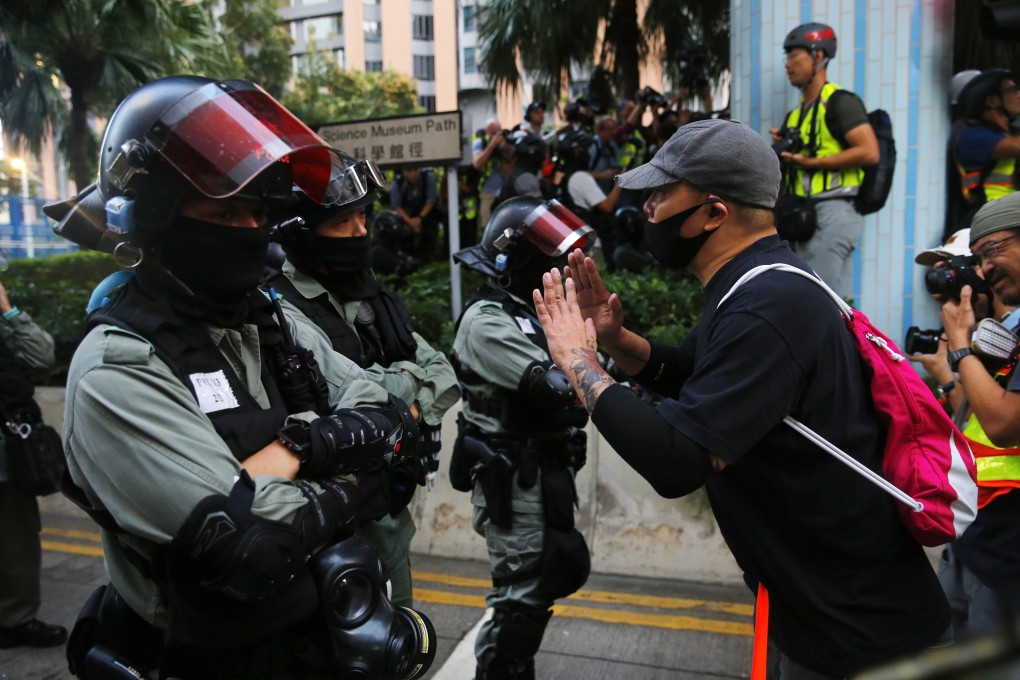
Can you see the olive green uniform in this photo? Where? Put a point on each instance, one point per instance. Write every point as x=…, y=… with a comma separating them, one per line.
x=438, y=391
x=20, y=552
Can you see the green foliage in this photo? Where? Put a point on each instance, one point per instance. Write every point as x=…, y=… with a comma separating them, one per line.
x=257, y=44
x=662, y=305
x=325, y=93
x=55, y=290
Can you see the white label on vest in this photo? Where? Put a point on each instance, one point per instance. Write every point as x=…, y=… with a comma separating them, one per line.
x=213, y=392
x=525, y=325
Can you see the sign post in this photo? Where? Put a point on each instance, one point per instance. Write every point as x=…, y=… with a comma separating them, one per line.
x=408, y=141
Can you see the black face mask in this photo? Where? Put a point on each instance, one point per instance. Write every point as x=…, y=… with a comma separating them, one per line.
x=343, y=265
x=219, y=263
x=668, y=246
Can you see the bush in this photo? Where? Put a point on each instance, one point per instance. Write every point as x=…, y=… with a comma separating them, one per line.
x=661, y=305
x=55, y=290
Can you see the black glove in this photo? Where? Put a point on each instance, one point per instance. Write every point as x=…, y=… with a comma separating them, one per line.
x=352, y=440
x=429, y=446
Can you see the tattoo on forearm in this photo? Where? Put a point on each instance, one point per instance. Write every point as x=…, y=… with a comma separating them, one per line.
x=588, y=376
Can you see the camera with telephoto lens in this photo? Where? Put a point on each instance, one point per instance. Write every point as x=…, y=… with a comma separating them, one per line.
x=957, y=272
x=789, y=140
x=652, y=97
x=922, y=340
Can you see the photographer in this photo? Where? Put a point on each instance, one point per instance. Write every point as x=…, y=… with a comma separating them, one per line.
x=986, y=150
x=605, y=155
x=979, y=570
x=827, y=141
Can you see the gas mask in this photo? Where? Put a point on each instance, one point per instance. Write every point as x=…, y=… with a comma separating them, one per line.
x=368, y=636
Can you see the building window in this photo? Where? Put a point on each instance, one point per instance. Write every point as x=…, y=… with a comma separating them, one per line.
x=470, y=18
x=341, y=61
x=427, y=102
x=422, y=27
x=373, y=66
x=424, y=67
x=309, y=3
x=323, y=28
x=373, y=31
x=469, y=60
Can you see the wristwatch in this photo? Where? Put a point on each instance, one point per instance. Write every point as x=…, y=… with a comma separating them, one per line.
x=947, y=388
x=956, y=356
x=296, y=438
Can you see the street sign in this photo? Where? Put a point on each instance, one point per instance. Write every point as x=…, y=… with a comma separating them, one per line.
x=426, y=139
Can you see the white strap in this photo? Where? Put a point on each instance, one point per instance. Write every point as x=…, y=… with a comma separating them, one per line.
x=809, y=434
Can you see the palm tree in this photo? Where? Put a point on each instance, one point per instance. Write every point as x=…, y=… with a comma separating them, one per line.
x=554, y=37
x=101, y=49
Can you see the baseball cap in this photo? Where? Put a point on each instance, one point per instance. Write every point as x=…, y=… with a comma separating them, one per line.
x=721, y=156
x=957, y=244
x=997, y=215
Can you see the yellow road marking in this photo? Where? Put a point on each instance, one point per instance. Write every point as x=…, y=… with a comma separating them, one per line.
x=72, y=533
x=73, y=548
x=600, y=596
x=604, y=615
x=568, y=609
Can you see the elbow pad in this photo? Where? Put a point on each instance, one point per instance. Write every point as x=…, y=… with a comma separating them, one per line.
x=353, y=440
x=548, y=386
x=250, y=558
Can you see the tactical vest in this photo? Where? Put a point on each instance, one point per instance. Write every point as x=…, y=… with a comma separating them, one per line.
x=413, y=196
x=998, y=469
x=379, y=342
x=185, y=346
x=820, y=142
x=515, y=410
x=994, y=180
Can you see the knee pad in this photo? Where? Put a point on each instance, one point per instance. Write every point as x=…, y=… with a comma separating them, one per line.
x=519, y=630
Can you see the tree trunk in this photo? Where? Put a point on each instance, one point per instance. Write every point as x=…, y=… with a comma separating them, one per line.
x=78, y=146
x=627, y=43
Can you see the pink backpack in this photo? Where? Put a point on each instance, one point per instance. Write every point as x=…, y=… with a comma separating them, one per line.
x=927, y=463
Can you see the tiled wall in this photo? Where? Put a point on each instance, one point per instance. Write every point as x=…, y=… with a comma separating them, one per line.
x=896, y=54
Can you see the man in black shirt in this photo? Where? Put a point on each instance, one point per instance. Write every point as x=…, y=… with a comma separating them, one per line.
x=849, y=587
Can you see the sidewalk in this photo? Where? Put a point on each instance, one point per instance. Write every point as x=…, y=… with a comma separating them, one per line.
x=615, y=628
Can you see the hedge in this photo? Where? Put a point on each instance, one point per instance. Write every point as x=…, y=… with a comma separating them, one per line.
x=662, y=305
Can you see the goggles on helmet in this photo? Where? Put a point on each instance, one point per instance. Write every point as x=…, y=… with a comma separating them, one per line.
x=554, y=229
x=223, y=135
x=351, y=180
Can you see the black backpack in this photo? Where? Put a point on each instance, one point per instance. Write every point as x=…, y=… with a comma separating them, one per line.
x=878, y=178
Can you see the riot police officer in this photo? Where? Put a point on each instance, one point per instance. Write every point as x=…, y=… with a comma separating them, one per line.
x=328, y=276
x=520, y=440
x=201, y=436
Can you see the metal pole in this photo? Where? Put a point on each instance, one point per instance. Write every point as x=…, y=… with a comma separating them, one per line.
x=453, y=236
x=29, y=236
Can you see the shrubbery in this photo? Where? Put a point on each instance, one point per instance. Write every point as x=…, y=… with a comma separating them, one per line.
x=660, y=304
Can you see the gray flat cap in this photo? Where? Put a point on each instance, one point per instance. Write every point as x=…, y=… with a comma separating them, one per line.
x=724, y=157
x=998, y=215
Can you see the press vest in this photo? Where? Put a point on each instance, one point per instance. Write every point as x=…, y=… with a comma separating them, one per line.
x=820, y=142
x=630, y=150
x=485, y=172
x=999, y=181
x=998, y=469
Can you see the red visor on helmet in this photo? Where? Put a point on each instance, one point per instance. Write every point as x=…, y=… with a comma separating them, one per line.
x=555, y=230
x=223, y=135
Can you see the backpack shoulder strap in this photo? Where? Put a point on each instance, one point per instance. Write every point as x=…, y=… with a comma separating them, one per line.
x=844, y=309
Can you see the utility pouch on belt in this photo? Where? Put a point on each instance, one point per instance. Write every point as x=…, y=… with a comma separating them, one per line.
x=461, y=463
x=495, y=472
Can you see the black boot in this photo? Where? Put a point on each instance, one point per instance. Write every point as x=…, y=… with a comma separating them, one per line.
x=33, y=633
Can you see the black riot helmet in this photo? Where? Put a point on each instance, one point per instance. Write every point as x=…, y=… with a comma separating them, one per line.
x=573, y=149
x=523, y=230
x=186, y=136
x=527, y=149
